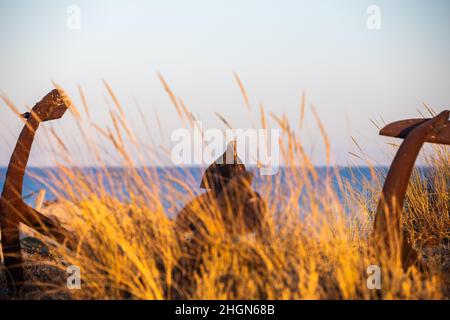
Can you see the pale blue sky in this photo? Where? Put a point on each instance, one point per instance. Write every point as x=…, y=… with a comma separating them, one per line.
x=279, y=48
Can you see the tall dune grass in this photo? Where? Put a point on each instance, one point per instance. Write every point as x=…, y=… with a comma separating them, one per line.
x=314, y=245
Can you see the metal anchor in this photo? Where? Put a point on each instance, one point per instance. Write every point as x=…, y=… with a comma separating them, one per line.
x=13, y=209
x=387, y=229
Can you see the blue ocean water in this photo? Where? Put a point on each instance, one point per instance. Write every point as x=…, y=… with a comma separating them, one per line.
x=179, y=178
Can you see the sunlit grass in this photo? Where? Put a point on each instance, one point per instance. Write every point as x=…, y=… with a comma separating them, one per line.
x=315, y=243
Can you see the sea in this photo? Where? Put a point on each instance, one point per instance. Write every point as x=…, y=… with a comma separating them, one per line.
x=182, y=179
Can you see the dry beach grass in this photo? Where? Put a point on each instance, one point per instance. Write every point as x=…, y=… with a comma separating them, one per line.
x=315, y=245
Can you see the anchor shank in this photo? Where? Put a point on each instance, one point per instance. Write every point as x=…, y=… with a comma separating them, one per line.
x=16, y=170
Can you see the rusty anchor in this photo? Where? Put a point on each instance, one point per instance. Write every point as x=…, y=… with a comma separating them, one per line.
x=13, y=209
x=387, y=226
x=229, y=193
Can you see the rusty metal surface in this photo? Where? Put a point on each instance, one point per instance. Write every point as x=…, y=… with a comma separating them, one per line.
x=401, y=129
x=231, y=200
x=387, y=228
x=221, y=171
x=13, y=210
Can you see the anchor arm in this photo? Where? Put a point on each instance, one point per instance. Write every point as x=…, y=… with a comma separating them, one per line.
x=16, y=170
x=13, y=210
x=11, y=196
x=52, y=106
x=387, y=229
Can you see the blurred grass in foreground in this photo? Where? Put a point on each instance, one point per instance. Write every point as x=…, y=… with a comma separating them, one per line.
x=312, y=247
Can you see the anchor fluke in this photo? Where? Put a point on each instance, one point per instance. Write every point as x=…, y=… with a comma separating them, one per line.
x=401, y=129
x=52, y=106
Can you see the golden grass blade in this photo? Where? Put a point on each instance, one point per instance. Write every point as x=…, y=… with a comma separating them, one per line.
x=323, y=133
x=302, y=109
x=114, y=98
x=84, y=102
x=227, y=124
x=243, y=91
x=171, y=95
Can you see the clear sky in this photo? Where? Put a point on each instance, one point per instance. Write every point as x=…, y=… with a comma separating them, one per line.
x=279, y=48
